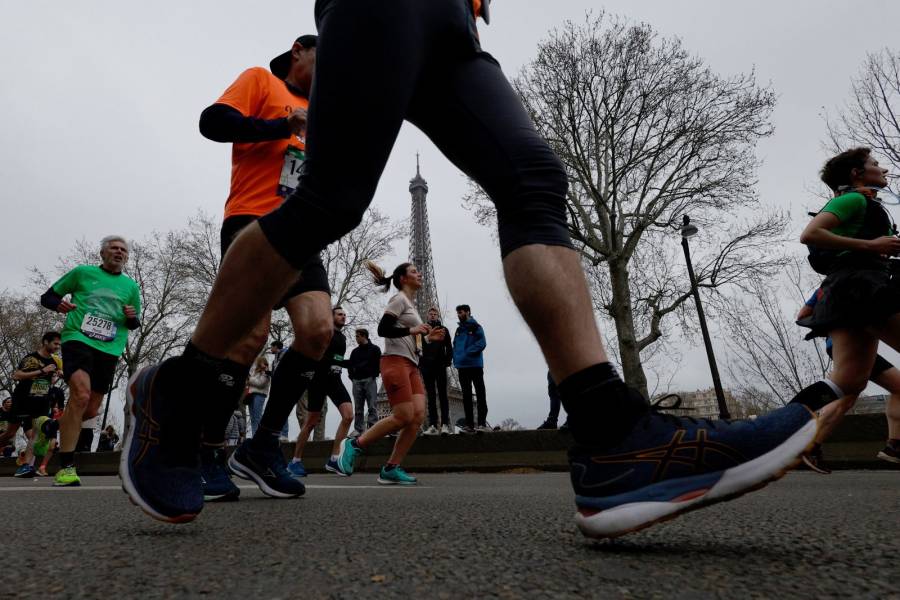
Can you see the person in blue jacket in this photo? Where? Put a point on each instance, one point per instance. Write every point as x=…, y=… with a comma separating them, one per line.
x=468, y=347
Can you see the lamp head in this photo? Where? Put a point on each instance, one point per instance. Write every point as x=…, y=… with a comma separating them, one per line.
x=688, y=230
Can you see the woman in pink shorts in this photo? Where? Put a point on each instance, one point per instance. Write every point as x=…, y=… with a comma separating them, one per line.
x=401, y=327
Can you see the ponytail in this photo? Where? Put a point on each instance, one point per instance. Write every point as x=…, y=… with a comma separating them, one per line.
x=378, y=276
x=384, y=281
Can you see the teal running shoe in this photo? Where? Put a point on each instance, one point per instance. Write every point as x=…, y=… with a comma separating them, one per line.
x=396, y=476
x=346, y=458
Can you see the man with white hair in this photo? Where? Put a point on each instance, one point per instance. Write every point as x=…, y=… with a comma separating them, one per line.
x=103, y=306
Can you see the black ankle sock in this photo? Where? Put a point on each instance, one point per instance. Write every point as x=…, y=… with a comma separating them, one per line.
x=289, y=381
x=390, y=466
x=183, y=382
x=894, y=443
x=66, y=459
x=221, y=400
x=815, y=396
x=601, y=409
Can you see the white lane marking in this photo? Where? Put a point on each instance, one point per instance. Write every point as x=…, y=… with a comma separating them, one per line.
x=243, y=487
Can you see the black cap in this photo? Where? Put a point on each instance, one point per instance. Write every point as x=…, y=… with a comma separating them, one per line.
x=281, y=64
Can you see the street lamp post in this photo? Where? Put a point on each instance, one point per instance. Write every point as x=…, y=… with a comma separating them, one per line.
x=688, y=230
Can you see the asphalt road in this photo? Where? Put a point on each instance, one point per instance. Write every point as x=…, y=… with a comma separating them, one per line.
x=453, y=536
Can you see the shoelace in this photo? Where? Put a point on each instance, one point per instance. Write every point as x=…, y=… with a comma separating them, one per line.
x=658, y=406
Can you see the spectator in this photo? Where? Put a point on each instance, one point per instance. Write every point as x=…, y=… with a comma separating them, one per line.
x=7, y=447
x=436, y=357
x=276, y=349
x=555, y=403
x=107, y=440
x=364, y=369
x=236, y=431
x=468, y=346
x=258, y=389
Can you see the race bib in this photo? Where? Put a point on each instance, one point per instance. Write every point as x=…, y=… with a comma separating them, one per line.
x=290, y=171
x=40, y=387
x=98, y=328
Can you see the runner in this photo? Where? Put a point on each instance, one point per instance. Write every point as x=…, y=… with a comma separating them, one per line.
x=858, y=303
x=883, y=373
x=423, y=63
x=400, y=326
x=263, y=114
x=31, y=396
x=326, y=383
x=104, y=305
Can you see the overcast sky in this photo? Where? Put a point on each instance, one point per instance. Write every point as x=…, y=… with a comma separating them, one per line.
x=100, y=102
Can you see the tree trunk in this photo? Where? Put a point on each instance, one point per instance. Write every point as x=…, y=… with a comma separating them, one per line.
x=621, y=309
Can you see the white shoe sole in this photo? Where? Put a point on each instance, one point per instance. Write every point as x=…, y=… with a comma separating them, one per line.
x=245, y=473
x=884, y=456
x=124, y=473
x=331, y=469
x=389, y=482
x=736, y=481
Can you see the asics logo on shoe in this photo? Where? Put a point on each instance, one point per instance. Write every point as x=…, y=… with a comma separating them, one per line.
x=699, y=453
x=582, y=470
x=148, y=434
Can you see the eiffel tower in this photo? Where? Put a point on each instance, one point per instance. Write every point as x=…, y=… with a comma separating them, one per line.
x=427, y=296
x=420, y=246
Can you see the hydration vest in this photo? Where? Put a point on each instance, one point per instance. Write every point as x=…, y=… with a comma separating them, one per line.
x=876, y=223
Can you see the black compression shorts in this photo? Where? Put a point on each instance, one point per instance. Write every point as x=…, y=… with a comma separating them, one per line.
x=313, y=277
x=430, y=70
x=100, y=366
x=326, y=384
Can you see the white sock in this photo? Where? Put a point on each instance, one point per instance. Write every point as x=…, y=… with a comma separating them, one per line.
x=334, y=457
x=296, y=460
x=834, y=387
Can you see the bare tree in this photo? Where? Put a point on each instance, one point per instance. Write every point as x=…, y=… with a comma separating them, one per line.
x=200, y=261
x=648, y=133
x=769, y=360
x=872, y=115
x=510, y=424
x=351, y=284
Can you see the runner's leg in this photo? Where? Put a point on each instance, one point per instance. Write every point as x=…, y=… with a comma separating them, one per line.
x=73, y=415
x=310, y=315
x=890, y=381
x=854, y=354
x=312, y=419
x=410, y=414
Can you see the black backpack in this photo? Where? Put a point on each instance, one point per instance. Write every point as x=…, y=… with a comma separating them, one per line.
x=875, y=223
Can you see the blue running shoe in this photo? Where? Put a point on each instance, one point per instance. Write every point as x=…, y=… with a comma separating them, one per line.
x=266, y=468
x=166, y=487
x=217, y=484
x=346, y=458
x=669, y=465
x=25, y=471
x=332, y=467
x=296, y=469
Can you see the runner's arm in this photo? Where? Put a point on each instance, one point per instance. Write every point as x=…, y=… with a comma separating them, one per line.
x=387, y=327
x=50, y=299
x=222, y=123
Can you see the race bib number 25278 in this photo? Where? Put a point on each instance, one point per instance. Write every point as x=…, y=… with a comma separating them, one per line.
x=98, y=328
